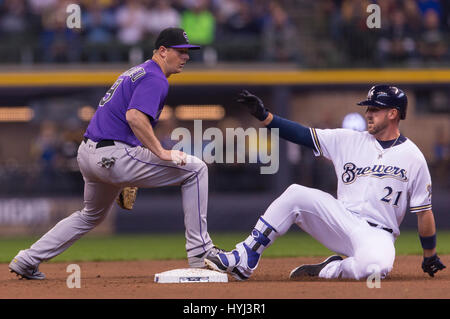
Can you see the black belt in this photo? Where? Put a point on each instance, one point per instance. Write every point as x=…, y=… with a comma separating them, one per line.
x=102, y=143
x=383, y=228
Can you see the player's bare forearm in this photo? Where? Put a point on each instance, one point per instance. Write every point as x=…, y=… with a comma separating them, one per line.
x=426, y=228
x=141, y=127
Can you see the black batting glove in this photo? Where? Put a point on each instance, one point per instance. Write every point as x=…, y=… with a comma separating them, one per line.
x=254, y=104
x=432, y=264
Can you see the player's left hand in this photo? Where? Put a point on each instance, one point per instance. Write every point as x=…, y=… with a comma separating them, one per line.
x=432, y=264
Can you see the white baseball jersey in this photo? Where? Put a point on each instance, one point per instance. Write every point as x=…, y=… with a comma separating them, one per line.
x=379, y=189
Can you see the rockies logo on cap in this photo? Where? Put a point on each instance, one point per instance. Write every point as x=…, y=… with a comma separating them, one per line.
x=174, y=38
x=185, y=36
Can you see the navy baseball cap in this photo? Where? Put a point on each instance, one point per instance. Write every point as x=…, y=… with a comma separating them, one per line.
x=174, y=38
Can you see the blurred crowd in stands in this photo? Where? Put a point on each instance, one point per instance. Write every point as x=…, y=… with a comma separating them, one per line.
x=51, y=162
x=310, y=33
x=412, y=32
x=124, y=30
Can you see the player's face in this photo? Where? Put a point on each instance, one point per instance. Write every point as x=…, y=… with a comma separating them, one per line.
x=176, y=59
x=377, y=119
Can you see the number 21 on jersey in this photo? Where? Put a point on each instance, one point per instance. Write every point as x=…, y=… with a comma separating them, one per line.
x=388, y=198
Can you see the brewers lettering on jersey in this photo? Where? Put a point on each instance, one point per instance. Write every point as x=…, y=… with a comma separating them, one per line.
x=351, y=172
x=380, y=172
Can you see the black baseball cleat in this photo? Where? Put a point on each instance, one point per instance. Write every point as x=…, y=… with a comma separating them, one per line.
x=199, y=260
x=312, y=270
x=221, y=262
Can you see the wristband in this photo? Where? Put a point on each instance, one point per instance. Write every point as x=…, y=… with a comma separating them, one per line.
x=428, y=242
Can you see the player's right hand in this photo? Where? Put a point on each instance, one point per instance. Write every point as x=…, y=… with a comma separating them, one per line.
x=254, y=104
x=174, y=156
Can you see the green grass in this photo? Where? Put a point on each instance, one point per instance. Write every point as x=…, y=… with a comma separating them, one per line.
x=157, y=246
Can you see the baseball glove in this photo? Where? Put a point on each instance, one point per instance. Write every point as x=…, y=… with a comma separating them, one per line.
x=127, y=197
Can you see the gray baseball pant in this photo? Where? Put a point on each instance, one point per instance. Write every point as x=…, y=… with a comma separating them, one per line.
x=133, y=166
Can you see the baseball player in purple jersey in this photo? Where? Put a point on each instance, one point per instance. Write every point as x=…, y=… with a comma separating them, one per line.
x=120, y=149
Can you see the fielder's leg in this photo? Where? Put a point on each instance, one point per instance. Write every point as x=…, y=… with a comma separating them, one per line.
x=150, y=171
x=98, y=200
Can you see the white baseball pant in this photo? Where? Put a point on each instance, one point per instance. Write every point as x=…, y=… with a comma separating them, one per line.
x=368, y=248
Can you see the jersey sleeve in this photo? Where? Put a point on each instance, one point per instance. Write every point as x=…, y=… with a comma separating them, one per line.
x=330, y=142
x=149, y=93
x=420, y=194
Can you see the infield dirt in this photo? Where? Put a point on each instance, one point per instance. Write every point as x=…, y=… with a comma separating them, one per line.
x=135, y=280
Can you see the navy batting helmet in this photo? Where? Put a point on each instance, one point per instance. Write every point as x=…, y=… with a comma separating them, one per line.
x=386, y=96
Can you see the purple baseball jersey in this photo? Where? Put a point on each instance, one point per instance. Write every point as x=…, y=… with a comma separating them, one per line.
x=143, y=87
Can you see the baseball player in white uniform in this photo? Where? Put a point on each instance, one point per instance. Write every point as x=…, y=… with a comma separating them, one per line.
x=120, y=149
x=379, y=172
